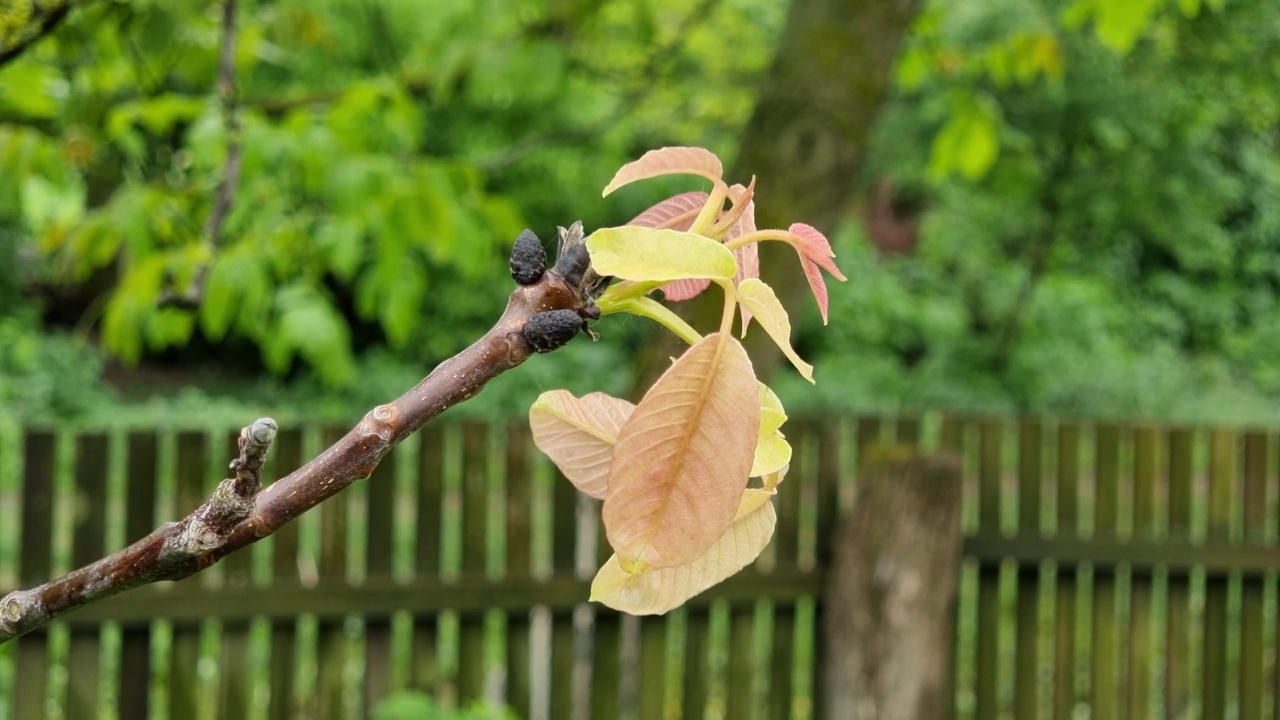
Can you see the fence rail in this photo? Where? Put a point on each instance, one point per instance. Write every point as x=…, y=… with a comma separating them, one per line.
x=1126, y=572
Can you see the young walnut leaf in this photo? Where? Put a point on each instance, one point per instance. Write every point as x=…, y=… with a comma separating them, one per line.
x=578, y=435
x=815, y=252
x=654, y=592
x=682, y=290
x=757, y=297
x=674, y=213
x=636, y=253
x=773, y=452
x=682, y=460
x=669, y=161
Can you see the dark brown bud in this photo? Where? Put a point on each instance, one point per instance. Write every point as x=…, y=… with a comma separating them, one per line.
x=551, y=330
x=528, y=259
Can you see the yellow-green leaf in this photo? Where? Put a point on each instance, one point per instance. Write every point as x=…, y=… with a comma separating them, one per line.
x=682, y=459
x=757, y=297
x=637, y=253
x=774, y=479
x=578, y=435
x=657, y=591
x=773, y=452
x=772, y=414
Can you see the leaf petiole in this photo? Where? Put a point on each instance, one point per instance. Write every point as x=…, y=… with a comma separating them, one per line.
x=730, y=305
x=715, y=203
x=622, y=292
x=656, y=311
x=760, y=236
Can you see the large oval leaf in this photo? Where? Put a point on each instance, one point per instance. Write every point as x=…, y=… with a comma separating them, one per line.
x=658, y=591
x=757, y=297
x=578, y=435
x=682, y=459
x=636, y=253
x=668, y=161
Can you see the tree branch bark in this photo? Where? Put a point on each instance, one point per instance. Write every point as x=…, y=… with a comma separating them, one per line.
x=543, y=314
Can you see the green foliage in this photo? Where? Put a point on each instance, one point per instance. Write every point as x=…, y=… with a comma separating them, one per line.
x=1117, y=257
x=45, y=376
x=390, y=154
x=411, y=705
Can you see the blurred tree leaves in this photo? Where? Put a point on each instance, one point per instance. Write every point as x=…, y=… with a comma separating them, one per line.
x=390, y=155
x=1116, y=256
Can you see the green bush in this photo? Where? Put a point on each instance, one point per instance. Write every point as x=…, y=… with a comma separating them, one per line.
x=46, y=375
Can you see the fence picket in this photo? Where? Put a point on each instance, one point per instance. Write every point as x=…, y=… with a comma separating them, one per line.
x=1106, y=681
x=184, y=652
x=1252, y=621
x=1026, y=676
x=990, y=468
x=1223, y=450
x=380, y=524
x=429, y=532
x=1178, y=681
x=1065, y=695
x=1142, y=654
x=286, y=455
x=34, y=566
x=87, y=545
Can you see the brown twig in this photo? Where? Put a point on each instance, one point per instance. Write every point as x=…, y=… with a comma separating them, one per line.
x=543, y=313
x=225, y=195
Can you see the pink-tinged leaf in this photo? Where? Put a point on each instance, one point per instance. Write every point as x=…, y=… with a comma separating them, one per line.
x=674, y=213
x=813, y=245
x=684, y=289
x=817, y=284
x=660, y=590
x=815, y=252
x=578, y=435
x=748, y=257
x=681, y=461
x=669, y=161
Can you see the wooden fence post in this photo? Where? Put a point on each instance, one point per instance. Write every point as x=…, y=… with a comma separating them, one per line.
x=890, y=596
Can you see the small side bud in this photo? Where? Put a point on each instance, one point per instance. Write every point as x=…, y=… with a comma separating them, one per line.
x=528, y=259
x=551, y=330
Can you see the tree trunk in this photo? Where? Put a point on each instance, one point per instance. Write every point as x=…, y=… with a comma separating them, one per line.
x=889, y=602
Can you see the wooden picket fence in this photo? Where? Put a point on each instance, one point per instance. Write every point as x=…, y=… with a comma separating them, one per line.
x=1109, y=572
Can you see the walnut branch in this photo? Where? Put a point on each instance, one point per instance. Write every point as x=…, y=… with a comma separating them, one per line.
x=546, y=310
